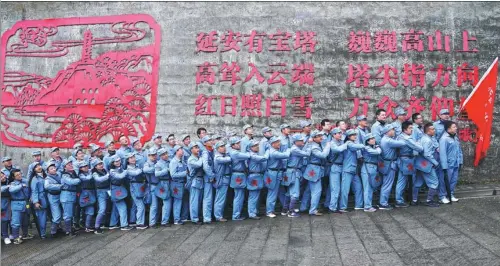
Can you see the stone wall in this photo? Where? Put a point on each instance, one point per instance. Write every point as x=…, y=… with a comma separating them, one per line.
x=181, y=22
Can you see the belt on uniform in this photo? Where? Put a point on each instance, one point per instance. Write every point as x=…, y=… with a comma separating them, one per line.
x=226, y=175
x=274, y=169
x=407, y=156
x=318, y=164
x=289, y=167
x=372, y=163
x=54, y=192
x=256, y=172
x=338, y=164
x=153, y=183
x=164, y=179
x=17, y=200
x=70, y=190
x=137, y=182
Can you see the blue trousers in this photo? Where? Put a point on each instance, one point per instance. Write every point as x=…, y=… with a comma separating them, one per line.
x=385, y=191
x=294, y=189
x=400, y=187
x=18, y=218
x=418, y=181
x=334, y=190
x=253, y=201
x=194, y=201
x=153, y=208
x=102, y=202
x=367, y=186
x=306, y=196
x=328, y=195
x=357, y=189
x=345, y=188
x=89, y=214
x=315, y=188
x=133, y=212
x=208, y=196
x=55, y=211
x=177, y=209
x=166, y=209
x=452, y=178
x=114, y=216
x=185, y=205
x=121, y=207
x=272, y=195
x=41, y=216
x=239, y=199
x=141, y=210
x=68, y=208
x=220, y=202
x=5, y=229
x=284, y=197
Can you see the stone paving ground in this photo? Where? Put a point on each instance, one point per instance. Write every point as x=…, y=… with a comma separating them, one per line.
x=465, y=233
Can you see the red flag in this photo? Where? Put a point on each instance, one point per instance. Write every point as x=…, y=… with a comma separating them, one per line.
x=479, y=106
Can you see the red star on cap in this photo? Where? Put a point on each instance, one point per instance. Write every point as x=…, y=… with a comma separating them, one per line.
x=312, y=173
x=254, y=183
x=118, y=193
x=239, y=180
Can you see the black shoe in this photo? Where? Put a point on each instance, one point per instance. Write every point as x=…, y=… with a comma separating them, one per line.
x=254, y=217
x=197, y=223
x=132, y=225
x=98, y=231
x=166, y=225
x=334, y=211
x=402, y=205
x=71, y=234
x=414, y=203
x=432, y=204
x=126, y=228
x=385, y=207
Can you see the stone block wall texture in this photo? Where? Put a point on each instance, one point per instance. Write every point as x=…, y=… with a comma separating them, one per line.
x=181, y=22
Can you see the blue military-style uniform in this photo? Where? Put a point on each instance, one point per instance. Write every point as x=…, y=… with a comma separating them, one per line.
x=426, y=164
x=451, y=158
x=208, y=178
x=238, y=177
x=137, y=189
x=222, y=167
x=274, y=174
x=387, y=164
x=195, y=183
x=178, y=172
x=5, y=207
x=417, y=132
x=406, y=164
x=162, y=190
x=102, y=185
x=69, y=182
x=52, y=185
x=337, y=149
x=255, y=180
x=377, y=131
x=119, y=191
x=152, y=182
x=293, y=174
x=88, y=195
x=19, y=196
x=315, y=170
x=369, y=171
x=439, y=126
x=349, y=174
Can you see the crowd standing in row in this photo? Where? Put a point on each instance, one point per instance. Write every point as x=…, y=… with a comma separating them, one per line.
x=191, y=178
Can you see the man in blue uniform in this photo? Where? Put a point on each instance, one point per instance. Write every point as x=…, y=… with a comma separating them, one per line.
x=380, y=116
x=255, y=181
x=426, y=165
x=293, y=174
x=418, y=123
x=316, y=167
x=238, y=176
x=195, y=182
x=245, y=141
x=444, y=115
x=337, y=156
x=401, y=117
x=274, y=173
x=451, y=159
x=222, y=169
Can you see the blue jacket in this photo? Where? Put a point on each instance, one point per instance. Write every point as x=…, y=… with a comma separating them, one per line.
x=450, y=152
x=350, y=163
x=88, y=195
x=178, y=170
x=222, y=167
x=397, y=128
x=245, y=141
x=101, y=179
x=377, y=131
x=118, y=188
x=256, y=169
x=417, y=132
x=429, y=156
x=137, y=181
x=69, y=182
x=370, y=157
x=196, y=173
x=162, y=173
x=407, y=154
x=439, y=126
x=19, y=194
x=38, y=194
x=294, y=164
x=239, y=168
x=52, y=185
x=121, y=152
x=140, y=158
x=208, y=165
x=316, y=166
x=149, y=171
x=389, y=154
x=337, y=149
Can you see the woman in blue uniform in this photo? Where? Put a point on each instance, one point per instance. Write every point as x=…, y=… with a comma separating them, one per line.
x=19, y=196
x=119, y=191
x=53, y=186
x=5, y=207
x=69, y=182
x=137, y=188
x=102, y=184
x=87, y=196
x=39, y=196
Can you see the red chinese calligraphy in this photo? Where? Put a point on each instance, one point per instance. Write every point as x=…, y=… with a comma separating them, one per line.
x=467, y=74
x=436, y=42
x=415, y=74
x=467, y=134
x=205, y=73
x=387, y=104
x=359, y=74
x=279, y=41
x=359, y=42
x=277, y=70
x=465, y=43
x=230, y=72
x=276, y=103
x=412, y=41
x=230, y=40
x=387, y=74
x=205, y=42
x=254, y=72
x=254, y=41
x=203, y=105
x=415, y=105
x=386, y=41
x=302, y=106
x=224, y=105
x=251, y=105
x=442, y=75
x=304, y=73
x=356, y=102
x=305, y=40
x=441, y=103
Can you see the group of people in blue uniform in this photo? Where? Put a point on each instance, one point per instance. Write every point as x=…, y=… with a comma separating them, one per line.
x=182, y=180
